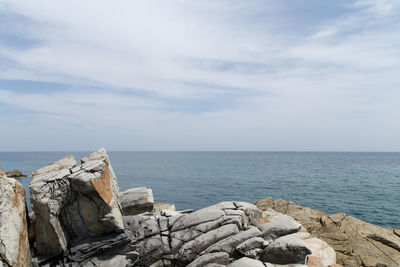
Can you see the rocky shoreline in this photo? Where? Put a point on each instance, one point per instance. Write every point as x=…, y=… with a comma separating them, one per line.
x=15, y=174
x=80, y=218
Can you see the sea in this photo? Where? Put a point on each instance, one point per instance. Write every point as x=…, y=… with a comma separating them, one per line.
x=363, y=185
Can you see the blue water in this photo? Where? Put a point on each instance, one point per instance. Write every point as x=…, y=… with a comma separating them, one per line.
x=364, y=185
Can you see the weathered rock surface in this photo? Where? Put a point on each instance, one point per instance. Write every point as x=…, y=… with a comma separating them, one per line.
x=355, y=242
x=74, y=203
x=14, y=244
x=15, y=174
x=136, y=200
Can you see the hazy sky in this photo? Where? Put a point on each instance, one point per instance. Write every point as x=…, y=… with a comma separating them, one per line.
x=200, y=75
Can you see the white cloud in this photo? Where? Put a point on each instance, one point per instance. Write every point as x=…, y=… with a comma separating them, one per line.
x=283, y=88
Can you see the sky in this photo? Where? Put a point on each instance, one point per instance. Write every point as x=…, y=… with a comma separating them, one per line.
x=185, y=75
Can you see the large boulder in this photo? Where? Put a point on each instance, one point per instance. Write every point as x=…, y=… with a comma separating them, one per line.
x=137, y=200
x=74, y=202
x=14, y=243
x=355, y=242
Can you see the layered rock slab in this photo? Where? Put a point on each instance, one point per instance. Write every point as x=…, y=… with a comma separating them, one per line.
x=14, y=243
x=74, y=202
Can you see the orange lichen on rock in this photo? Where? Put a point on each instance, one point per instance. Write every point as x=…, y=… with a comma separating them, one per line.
x=103, y=186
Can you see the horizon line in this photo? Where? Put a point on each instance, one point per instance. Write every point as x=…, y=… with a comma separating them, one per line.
x=270, y=151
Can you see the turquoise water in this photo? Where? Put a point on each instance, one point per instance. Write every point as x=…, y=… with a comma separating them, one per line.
x=364, y=185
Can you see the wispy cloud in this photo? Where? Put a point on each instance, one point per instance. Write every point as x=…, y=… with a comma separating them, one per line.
x=203, y=74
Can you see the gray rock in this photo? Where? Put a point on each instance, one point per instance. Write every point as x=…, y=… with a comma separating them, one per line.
x=14, y=244
x=209, y=258
x=208, y=226
x=49, y=193
x=246, y=262
x=88, y=248
x=279, y=227
x=64, y=163
x=142, y=226
x=159, y=263
x=32, y=226
x=137, y=200
x=286, y=250
x=94, y=165
x=253, y=213
x=220, y=206
x=268, y=264
x=192, y=248
x=71, y=206
x=196, y=218
x=113, y=260
x=250, y=244
x=186, y=234
x=100, y=154
x=229, y=244
x=150, y=249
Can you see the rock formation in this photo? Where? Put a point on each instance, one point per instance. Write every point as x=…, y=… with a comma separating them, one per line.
x=356, y=243
x=78, y=221
x=14, y=245
x=74, y=203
